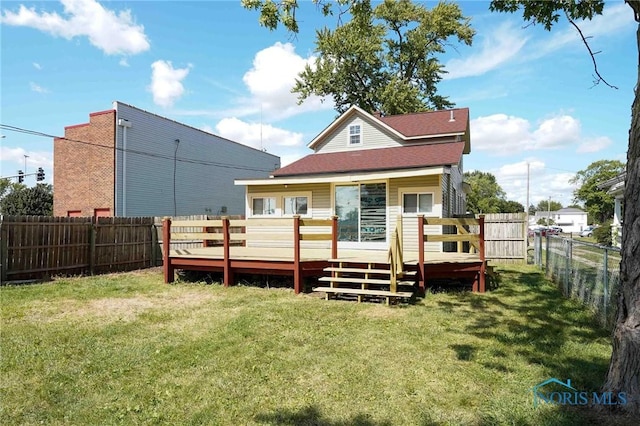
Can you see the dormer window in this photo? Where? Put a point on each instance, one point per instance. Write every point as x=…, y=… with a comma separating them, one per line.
x=355, y=134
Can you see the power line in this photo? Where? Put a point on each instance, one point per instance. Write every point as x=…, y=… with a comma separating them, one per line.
x=133, y=151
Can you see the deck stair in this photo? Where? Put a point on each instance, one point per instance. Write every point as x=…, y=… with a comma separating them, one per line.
x=366, y=281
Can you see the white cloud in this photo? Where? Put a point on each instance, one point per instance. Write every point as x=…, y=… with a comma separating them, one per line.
x=166, y=82
x=271, y=79
x=36, y=159
x=594, y=145
x=502, y=133
x=615, y=17
x=123, y=62
x=37, y=88
x=498, y=47
x=111, y=32
x=37, y=66
x=256, y=135
x=543, y=183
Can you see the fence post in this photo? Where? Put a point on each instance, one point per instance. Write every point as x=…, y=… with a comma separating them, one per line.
x=297, y=267
x=92, y=244
x=605, y=279
x=4, y=251
x=482, y=254
x=334, y=237
x=154, y=243
x=546, y=260
x=421, y=268
x=567, y=263
x=228, y=275
x=169, y=274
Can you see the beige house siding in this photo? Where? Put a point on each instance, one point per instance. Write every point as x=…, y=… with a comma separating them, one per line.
x=409, y=221
x=372, y=137
x=320, y=208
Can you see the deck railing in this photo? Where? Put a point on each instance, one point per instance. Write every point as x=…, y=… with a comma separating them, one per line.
x=463, y=235
x=396, y=261
x=219, y=230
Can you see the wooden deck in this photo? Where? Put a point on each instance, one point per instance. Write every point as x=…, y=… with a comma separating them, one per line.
x=300, y=262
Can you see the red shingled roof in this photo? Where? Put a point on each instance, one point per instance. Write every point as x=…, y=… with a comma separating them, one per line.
x=429, y=123
x=402, y=157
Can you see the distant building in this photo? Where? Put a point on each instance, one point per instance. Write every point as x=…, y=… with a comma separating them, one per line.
x=615, y=187
x=570, y=219
x=129, y=162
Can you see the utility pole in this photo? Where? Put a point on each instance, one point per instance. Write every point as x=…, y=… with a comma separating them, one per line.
x=25, y=163
x=549, y=212
x=527, y=206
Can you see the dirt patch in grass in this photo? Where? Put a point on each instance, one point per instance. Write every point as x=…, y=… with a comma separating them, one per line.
x=115, y=308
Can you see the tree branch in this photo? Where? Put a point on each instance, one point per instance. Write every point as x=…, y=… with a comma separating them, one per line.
x=599, y=78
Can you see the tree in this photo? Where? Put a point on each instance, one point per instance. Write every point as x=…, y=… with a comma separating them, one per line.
x=5, y=185
x=511, y=207
x=597, y=202
x=383, y=59
x=546, y=221
x=624, y=367
x=486, y=195
x=23, y=201
x=546, y=205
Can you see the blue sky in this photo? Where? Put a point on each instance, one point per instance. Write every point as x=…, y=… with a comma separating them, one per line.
x=210, y=65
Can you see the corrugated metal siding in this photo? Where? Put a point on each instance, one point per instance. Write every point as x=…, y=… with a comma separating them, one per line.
x=200, y=188
x=458, y=198
x=372, y=137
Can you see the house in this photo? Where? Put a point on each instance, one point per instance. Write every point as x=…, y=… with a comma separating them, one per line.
x=129, y=162
x=370, y=171
x=615, y=187
x=570, y=219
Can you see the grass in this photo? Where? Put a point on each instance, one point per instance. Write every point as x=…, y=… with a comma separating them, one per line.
x=127, y=349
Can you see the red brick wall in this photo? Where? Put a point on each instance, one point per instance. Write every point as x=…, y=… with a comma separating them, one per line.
x=84, y=175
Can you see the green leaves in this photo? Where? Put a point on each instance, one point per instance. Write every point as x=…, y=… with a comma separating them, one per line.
x=598, y=203
x=548, y=12
x=384, y=58
x=36, y=201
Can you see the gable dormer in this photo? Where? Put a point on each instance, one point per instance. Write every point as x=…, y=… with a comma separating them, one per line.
x=356, y=129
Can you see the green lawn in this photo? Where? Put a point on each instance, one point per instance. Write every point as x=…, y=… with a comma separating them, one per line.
x=128, y=349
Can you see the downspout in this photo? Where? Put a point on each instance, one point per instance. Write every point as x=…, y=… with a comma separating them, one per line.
x=125, y=124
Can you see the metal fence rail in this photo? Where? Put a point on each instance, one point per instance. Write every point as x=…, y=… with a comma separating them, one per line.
x=584, y=271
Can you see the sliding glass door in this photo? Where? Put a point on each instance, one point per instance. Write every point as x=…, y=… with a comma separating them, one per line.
x=362, y=213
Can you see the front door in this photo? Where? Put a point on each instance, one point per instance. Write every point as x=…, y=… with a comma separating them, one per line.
x=362, y=215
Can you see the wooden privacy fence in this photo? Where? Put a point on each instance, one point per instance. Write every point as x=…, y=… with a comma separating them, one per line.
x=34, y=247
x=505, y=236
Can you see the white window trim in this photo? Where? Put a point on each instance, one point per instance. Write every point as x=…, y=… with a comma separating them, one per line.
x=296, y=194
x=355, y=123
x=279, y=198
x=263, y=196
x=435, y=209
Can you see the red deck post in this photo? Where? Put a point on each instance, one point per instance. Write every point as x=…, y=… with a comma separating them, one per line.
x=297, y=272
x=334, y=237
x=482, y=254
x=166, y=248
x=421, y=278
x=228, y=272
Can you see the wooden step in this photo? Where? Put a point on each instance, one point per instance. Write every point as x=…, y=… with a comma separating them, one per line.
x=362, y=280
x=366, y=271
x=403, y=294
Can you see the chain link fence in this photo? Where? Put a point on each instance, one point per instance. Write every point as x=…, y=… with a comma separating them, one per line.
x=587, y=272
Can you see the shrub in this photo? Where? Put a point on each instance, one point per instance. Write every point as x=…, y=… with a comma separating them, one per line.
x=602, y=234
